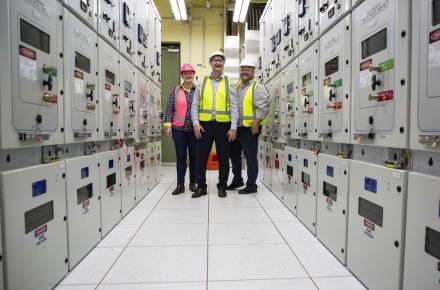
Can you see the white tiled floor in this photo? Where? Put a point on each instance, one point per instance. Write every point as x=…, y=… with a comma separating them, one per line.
x=249, y=242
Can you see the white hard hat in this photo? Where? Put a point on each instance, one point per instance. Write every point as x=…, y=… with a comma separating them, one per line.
x=217, y=53
x=247, y=61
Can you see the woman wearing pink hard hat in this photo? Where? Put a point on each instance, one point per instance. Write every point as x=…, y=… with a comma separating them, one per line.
x=178, y=125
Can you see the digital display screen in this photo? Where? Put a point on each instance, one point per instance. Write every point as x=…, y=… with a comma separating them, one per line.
x=128, y=171
x=330, y=191
x=307, y=79
x=142, y=164
x=38, y=216
x=84, y=193
x=432, y=242
x=39, y=187
x=374, y=44
x=111, y=180
x=289, y=170
x=330, y=171
x=305, y=178
x=435, y=12
x=127, y=86
x=82, y=62
x=34, y=36
x=84, y=172
x=109, y=77
x=370, y=185
x=290, y=88
x=306, y=163
x=110, y=164
x=331, y=66
x=370, y=211
x=289, y=157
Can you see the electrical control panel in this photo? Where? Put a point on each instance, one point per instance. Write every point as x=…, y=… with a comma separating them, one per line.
x=277, y=160
x=128, y=179
x=334, y=83
x=108, y=20
x=376, y=224
x=158, y=158
x=141, y=100
x=425, y=75
x=291, y=100
x=290, y=31
x=290, y=183
x=277, y=36
x=422, y=233
x=278, y=114
x=110, y=184
x=30, y=89
x=150, y=166
x=34, y=226
x=157, y=48
x=266, y=130
x=381, y=73
x=83, y=206
x=80, y=81
x=154, y=48
x=109, y=89
x=127, y=28
x=127, y=98
x=141, y=34
x=332, y=204
x=308, y=20
x=261, y=149
x=86, y=9
x=142, y=160
x=307, y=188
x=267, y=171
x=331, y=11
x=308, y=93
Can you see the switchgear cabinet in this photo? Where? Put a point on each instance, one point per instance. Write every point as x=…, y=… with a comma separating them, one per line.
x=141, y=33
x=425, y=75
x=422, y=233
x=381, y=73
x=376, y=222
x=127, y=98
x=30, y=89
x=332, y=204
x=308, y=20
x=128, y=180
x=267, y=181
x=307, y=188
x=87, y=9
x=331, y=11
x=34, y=226
x=334, y=83
x=127, y=28
x=290, y=31
x=277, y=160
x=278, y=113
x=291, y=100
x=108, y=20
x=290, y=184
x=277, y=36
x=142, y=187
x=141, y=100
x=83, y=206
x=80, y=80
x=308, y=93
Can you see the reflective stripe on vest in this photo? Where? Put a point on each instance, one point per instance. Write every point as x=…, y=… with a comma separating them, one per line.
x=180, y=107
x=222, y=101
x=248, y=114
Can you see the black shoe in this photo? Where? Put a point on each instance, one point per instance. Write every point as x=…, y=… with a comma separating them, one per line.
x=193, y=187
x=179, y=189
x=247, y=190
x=235, y=185
x=200, y=192
x=222, y=192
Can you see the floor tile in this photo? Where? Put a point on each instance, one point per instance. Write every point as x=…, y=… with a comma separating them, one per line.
x=183, y=201
x=76, y=287
x=244, y=233
x=281, y=284
x=159, y=264
x=269, y=201
x=318, y=261
x=280, y=214
x=155, y=286
x=170, y=234
x=158, y=191
x=339, y=283
x=136, y=216
x=230, y=215
x=243, y=262
x=93, y=268
x=233, y=200
x=296, y=232
x=148, y=202
x=119, y=236
x=181, y=216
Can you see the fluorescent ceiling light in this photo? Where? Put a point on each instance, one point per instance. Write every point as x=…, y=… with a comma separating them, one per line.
x=175, y=9
x=179, y=9
x=182, y=9
x=240, y=10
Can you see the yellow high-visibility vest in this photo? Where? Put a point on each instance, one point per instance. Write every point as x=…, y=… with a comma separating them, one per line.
x=248, y=108
x=222, y=101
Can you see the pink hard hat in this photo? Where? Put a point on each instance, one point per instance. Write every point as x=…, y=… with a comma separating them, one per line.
x=186, y=67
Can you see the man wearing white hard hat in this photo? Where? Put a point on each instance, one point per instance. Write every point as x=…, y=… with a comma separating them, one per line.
x=253, y=108
x=214, y=113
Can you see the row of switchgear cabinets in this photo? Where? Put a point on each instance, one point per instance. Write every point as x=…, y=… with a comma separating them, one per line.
x=370, y=78
x=358, y=211
x=79, y=71
x=58, y=212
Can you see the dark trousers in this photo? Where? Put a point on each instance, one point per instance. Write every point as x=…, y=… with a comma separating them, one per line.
x=214, y=131
x=185, y=142
x=247, y=143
